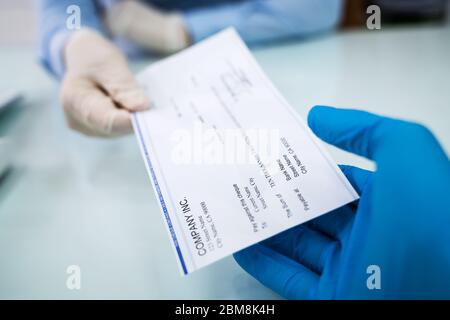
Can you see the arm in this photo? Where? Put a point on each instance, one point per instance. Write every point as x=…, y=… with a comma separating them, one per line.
x=98, y=91
x=53, y=32
x=259, y=21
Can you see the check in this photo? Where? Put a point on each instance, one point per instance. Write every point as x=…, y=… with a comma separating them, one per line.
x=230, y=161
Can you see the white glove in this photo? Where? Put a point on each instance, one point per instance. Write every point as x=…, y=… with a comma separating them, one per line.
x=147, y=26
x=99, y=91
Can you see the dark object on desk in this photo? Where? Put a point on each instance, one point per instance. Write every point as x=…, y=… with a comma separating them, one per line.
x=412, y=10
x=4, y=173
x=5, y=156
x=9, y=112
x=10, y=105
x=396, y=11
x=8, y=98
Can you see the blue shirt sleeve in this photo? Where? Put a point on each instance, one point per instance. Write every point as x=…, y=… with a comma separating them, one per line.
x=259, y=21
x=53, y=30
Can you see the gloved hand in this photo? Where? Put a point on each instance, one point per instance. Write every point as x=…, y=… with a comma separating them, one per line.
x=393, y=243
x=98, y=91
x=147, y=26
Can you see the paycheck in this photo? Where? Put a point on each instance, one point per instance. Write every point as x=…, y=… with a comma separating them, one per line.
x=230, y=161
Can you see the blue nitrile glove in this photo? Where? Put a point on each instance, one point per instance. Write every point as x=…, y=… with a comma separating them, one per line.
x=393, y=243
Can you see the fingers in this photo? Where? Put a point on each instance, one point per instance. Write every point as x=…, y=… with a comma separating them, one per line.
x=285, y=276
x=355, y=131
x=336, y=224
x=90, y=111
x=99, y=91
x=302, y=244
x=358, y=177
x=394, y=144
x=148, y=27
x=132, y=99
x=90, y=55
x=119, y=83
x=105, y=117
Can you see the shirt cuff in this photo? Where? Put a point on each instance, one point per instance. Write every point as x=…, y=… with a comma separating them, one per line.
x=56, y=52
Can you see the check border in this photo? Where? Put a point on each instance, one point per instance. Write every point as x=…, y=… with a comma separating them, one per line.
x=160, y=196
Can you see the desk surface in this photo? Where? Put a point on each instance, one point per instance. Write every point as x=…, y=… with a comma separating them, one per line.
x=72, y=200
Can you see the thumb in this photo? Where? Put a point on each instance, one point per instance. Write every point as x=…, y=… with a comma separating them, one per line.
x=120, y=84
x=359, y=132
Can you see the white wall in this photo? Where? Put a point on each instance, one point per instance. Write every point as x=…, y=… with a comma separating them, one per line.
x=17, y=23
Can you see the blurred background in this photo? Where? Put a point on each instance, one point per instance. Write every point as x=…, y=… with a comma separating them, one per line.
x=17, y=15
x=66, y=199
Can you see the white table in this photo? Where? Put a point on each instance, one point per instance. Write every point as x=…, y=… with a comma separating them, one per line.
x=73, y=200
